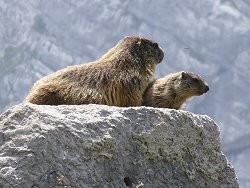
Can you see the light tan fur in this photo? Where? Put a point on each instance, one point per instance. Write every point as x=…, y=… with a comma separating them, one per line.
x=118, y=78
x=173, y=90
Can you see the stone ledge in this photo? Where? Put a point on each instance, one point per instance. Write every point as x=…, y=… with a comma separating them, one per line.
x=102, y=146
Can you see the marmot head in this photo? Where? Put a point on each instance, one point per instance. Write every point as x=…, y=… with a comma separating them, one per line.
x=137, y=50
x=143, y=48
x=190, y=84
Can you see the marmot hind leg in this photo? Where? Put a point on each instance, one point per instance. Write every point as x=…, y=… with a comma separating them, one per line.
x=48, y=94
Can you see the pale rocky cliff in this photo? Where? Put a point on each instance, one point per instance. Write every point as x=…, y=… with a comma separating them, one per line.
x=104, y=147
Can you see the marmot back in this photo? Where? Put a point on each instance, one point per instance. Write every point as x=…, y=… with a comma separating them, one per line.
x=118, y=78
x=173, y=90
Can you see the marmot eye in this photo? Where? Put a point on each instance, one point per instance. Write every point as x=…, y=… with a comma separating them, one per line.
x=155, y=45
x=196, y=80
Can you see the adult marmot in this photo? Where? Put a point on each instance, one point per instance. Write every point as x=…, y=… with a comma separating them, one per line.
x=118, y=78
x=173, y=90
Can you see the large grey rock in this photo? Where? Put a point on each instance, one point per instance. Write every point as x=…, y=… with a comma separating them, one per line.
x=100, y=146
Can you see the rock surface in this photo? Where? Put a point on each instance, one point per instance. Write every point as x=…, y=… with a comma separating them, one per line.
x=104, y=147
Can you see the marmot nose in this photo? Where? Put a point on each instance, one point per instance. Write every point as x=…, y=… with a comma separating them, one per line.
x=206, y=89
x=161, y=54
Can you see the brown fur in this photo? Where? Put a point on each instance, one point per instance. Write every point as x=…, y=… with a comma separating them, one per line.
x=118, y=78
x=173, y=90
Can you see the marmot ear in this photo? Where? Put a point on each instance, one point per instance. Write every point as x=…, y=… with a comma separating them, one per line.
x=184, y=74
x=139, y=41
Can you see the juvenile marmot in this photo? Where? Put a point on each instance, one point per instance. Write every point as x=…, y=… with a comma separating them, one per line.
x=118, y=78
x=173, y=90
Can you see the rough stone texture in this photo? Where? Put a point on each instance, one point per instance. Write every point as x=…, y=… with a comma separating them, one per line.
x=103, y=147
